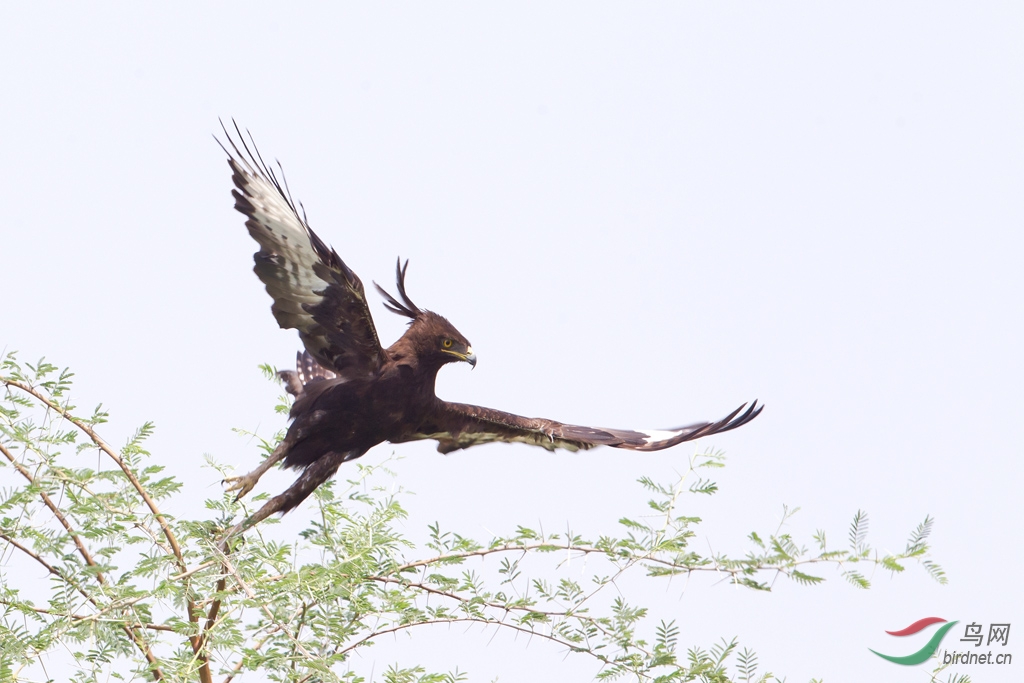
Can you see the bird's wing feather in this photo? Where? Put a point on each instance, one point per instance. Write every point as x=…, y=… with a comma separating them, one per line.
x=308, y=370
x=314, y=291
x=458, y=425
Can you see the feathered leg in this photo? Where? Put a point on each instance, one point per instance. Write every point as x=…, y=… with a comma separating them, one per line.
x=293, y=384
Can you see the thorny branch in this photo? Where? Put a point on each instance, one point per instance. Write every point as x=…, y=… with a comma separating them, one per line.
x=105, y=447
x=475, y=620
x=251, y=594
x=84, y=552
x=205, y=675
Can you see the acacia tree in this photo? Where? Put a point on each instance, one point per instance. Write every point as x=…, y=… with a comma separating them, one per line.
x=135, y=594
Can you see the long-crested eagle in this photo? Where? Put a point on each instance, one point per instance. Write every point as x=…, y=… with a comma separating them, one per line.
x=351, y=393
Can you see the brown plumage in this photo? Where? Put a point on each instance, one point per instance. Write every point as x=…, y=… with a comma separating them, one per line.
x=351, y=393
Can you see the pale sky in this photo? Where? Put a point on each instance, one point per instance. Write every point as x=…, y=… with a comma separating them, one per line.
x=641, y=216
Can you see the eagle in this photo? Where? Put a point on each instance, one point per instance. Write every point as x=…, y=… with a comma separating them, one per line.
x=352, y=393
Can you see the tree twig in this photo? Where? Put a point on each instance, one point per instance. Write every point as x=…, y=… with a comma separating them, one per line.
x=251, y=594
x=84, y=552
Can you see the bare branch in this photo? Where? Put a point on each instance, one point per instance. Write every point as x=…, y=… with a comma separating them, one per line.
x=473, y=620
x=35, y=556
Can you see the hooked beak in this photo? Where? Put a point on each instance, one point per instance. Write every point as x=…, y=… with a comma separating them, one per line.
x=468, y=356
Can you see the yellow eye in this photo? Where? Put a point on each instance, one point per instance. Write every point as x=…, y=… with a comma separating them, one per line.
x=447, y=343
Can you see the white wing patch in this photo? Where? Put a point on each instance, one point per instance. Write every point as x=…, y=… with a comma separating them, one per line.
x=654, y=435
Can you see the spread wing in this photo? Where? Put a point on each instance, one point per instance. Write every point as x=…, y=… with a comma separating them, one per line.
x=314, y=291
x=460, y=426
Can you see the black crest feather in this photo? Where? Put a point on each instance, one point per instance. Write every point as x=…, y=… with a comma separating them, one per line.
x=405, y=307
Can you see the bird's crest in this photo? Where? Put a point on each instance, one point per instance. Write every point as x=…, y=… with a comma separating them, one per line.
x=405, y=307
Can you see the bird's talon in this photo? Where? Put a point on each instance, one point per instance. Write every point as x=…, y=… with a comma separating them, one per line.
x=241, y=484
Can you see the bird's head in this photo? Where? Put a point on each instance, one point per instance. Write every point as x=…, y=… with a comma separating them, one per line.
x=439, y=341
x=434, y=340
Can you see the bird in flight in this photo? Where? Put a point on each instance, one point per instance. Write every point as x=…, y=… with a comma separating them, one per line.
x=350, y=392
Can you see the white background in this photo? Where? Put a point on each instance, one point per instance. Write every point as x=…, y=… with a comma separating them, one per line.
x=640, y=216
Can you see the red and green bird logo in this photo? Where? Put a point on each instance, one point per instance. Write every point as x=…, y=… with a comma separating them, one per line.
x=930, y=647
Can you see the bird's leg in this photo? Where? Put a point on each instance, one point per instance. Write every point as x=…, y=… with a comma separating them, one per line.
x=245, y=483
x=320, y=471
